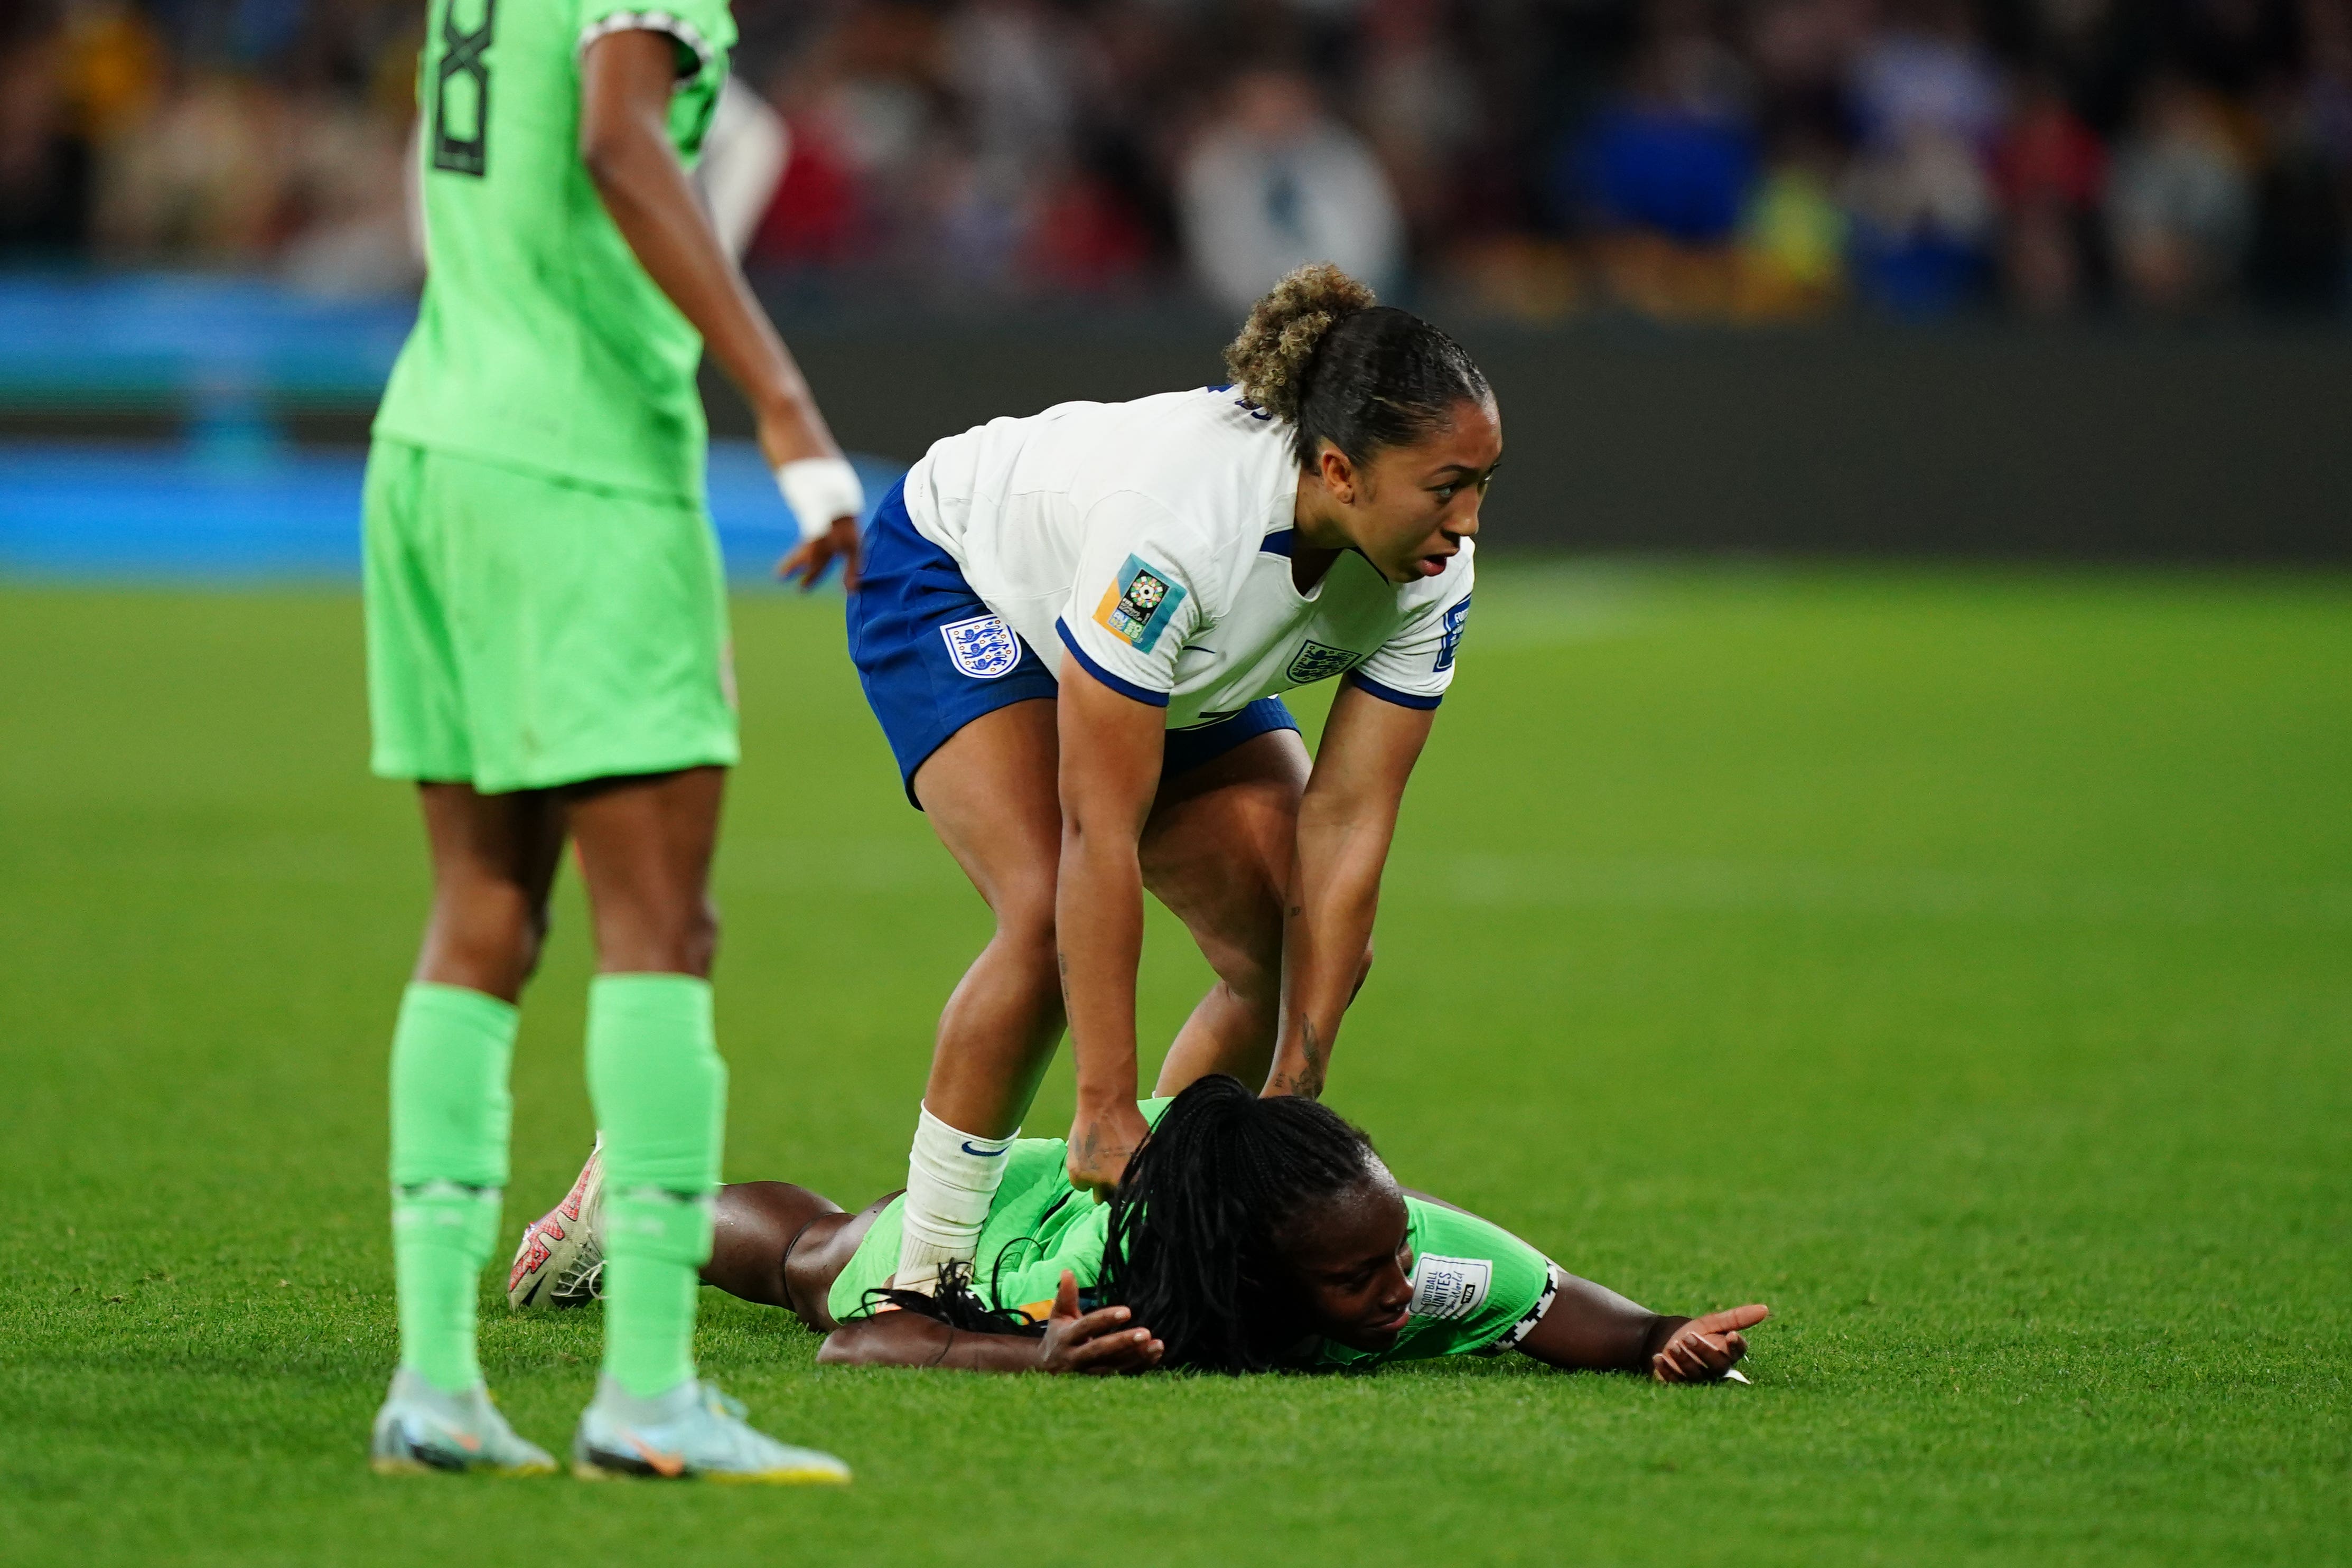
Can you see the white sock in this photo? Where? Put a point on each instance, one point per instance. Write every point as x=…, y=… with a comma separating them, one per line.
x=951, y=1178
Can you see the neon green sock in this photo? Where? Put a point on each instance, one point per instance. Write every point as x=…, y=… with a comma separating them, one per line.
x=660, y=1092
x=450, y=1113
x=650, y=1279
x=442, y=1233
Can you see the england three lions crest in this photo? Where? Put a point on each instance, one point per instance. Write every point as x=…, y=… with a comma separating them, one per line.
x=983, y=647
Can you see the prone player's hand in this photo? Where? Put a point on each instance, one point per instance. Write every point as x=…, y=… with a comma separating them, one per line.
x=1704, y=1349
x=1101, y=1143
x=1099, y=1343
x=808, y=564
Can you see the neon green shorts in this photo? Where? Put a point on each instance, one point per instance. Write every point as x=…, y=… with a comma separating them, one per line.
x=523, y=633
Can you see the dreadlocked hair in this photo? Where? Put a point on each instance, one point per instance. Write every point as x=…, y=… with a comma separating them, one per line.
x=1191, y=1249
x=955, y=1303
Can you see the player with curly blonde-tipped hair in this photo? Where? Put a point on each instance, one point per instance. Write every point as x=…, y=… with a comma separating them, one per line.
x=1076, y=629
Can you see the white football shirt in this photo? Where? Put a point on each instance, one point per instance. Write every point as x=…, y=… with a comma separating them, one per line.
x=1151, y=541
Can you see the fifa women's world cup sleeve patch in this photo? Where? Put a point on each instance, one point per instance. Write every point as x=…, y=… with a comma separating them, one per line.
x=1137, y=595
x=1138, y=604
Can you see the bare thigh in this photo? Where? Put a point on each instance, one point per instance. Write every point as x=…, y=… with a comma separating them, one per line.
x=646, y=846
x=1217, y=851
x=494, y=860
x=753, y=1231
x=992, y=797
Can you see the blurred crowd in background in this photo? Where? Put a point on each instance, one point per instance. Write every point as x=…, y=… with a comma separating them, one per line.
x=1688, y=159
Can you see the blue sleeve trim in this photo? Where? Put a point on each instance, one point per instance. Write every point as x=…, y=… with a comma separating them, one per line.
x=1123, y=687
x=1386, y=693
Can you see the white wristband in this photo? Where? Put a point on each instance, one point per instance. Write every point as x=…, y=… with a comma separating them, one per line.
x=820, y=489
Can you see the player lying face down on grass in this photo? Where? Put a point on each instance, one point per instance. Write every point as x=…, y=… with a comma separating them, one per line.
x=1076, y=629
x=1249, y=1233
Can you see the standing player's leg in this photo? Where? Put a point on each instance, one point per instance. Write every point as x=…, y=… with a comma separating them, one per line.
x=660, y=1094
x=494, y=858
x=1217, y=850
x=653, y=1070
x=991, y=796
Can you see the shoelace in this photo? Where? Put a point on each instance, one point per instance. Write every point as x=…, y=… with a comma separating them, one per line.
x=576, y=1278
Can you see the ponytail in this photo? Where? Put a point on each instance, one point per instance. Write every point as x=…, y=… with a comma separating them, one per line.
x=1319, y=354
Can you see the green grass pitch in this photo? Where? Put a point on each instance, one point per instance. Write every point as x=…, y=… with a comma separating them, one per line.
x=1959, y=961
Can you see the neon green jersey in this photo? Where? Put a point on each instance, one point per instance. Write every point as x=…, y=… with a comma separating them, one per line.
x=540, y=342
x=1476, y=1288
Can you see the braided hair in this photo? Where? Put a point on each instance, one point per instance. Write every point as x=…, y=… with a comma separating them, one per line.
x=1190, y=1250
x=1319, y=353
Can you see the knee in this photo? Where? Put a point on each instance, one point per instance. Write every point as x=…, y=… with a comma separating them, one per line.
x=658, y=936
x=1024, y=927
x=1246, y=953
x=686, y=941
x=534, y=946
x=1363, y=973
x=486, y=936
x=697, y=938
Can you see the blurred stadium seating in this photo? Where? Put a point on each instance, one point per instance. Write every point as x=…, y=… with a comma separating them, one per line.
x=1526, y=158
x=2041, y=276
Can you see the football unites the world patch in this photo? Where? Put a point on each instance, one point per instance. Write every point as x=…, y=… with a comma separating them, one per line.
x=1457, y=619
x=1319, y=661
x=1139, y=604
x=1450, y=1288
x=983, y=647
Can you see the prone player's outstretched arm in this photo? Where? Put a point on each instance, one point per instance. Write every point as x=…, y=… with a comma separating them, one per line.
x=1099, y=1343
x=625, y=82
x=1591, y=1327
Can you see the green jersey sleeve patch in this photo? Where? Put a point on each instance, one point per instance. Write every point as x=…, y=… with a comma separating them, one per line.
x=1476, y=1289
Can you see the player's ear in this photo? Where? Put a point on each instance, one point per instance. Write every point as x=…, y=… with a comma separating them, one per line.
x=1339, y=475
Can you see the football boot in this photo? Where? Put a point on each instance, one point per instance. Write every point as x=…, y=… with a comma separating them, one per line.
x=692, y=1432
x=560, y=1261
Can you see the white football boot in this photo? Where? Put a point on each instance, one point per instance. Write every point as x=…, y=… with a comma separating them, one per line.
x=422, y=1429
x=560, y=1260
x=692, y=1432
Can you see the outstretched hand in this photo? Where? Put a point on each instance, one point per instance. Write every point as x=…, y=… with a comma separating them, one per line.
x=1704, y=1349
x=808, y=564
x=1097, y=1343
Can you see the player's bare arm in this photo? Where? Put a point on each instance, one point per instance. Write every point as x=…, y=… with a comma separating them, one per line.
x=1110, y=757
x=626, y=79
x=1100, y=1343
x=1591, y=1327
x=1347, y=820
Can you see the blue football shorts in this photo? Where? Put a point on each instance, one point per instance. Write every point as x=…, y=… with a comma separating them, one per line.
x=933, y=656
